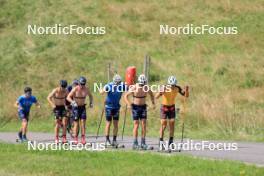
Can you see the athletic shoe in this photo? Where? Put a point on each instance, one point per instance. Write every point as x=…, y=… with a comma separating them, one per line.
x=56, y=140
x=144, y=146
x=108, y=142
x=75, y=140
x=24, y=138
x=64, y=140
x=135, y=145
x=114, y=144
x=83, y=140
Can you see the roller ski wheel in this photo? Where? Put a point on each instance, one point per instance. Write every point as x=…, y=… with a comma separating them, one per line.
x=23, y=141
x=146, y=147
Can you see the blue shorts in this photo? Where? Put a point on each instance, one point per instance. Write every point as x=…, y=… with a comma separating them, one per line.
x=111, y=114
x=23, y=115
x=139, y=112
x=79, y=112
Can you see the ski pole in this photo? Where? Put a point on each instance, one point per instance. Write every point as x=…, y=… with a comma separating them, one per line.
x=124, y=124
x=102, y=114
x=184, y=109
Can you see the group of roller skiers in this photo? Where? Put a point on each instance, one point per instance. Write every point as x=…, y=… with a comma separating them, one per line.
x=69, y=108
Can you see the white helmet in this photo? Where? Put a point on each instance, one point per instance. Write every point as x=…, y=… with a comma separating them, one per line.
x=142, y=79
x=117, y=79
x=172, y=81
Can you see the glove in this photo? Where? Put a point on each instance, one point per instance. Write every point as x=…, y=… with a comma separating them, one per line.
x=74, y=104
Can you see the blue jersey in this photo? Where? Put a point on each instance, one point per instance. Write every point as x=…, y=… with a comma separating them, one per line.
x=114, y=93
x=26, y=103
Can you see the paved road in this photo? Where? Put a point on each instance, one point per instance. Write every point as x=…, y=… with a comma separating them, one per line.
x=248, y=152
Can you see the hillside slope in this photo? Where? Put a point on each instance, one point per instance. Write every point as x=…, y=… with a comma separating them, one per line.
x=225, y=72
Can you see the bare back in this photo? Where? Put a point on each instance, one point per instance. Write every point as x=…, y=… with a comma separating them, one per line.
x=140, y=94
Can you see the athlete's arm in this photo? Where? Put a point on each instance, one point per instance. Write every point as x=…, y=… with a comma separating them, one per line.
x=101, y=91
x=49, y=98
x=37, y=104
x=130, y=92
x=17, y=105
x=90, y=97
x=70, y=95
x=151, y=97
x=181, y=90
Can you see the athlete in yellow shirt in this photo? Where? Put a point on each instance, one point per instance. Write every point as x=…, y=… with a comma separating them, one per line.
x=168, y=113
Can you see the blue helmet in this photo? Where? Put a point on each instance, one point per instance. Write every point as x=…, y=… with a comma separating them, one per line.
x=63, y=83
x=75, y=82
x=82, y=80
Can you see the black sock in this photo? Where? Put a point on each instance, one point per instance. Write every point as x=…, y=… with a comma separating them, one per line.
x=171, y=140
x=107, y=138
x=143, y=141
x=114, y=138
x=161, y=139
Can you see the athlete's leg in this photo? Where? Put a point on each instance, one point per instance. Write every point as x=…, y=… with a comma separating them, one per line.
x=107, y=127
x=83, y=130
x=115, y=122
x=115, y=130
x=171, y=124
x=143, y=128
x=83, y=126
x=108, y=118
x=56, y=129
x=24, y=125
x=64, y=128
x=75, y=128
x=135, y=129
x=163, y=125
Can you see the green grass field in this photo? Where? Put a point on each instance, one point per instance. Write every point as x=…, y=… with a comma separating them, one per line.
x=225, y=72
x=17, y=160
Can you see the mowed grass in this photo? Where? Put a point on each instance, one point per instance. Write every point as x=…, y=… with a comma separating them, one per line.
x=225, y=72
x=17, y=160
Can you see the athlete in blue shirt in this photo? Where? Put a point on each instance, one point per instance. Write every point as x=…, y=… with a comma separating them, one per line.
x=24, y=103
x=114, y=92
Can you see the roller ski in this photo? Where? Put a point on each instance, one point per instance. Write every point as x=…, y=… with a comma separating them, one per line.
x=143, y=146
x=163, y=149
x=114, y=144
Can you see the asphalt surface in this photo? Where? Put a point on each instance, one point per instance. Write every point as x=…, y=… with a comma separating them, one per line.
x=247, y=152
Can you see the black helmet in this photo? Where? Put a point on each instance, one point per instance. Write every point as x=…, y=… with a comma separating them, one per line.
x=27, y=89
x=82, y=80
x=63, y=83
x=75, y=82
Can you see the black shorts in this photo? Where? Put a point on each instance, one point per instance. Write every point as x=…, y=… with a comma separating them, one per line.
x=167, y=112
x=79, y=112
x=139, y=112
x=69, y=111
x=111, y=114
x=59, y=112
x=23, y=115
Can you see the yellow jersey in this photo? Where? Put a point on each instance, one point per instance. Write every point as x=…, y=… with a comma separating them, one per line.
x=169, y=97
